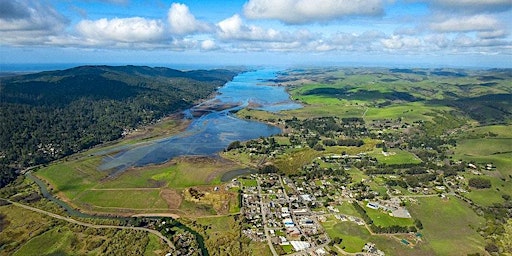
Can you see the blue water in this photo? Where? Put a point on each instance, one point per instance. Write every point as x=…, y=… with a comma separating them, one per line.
x=212, y=132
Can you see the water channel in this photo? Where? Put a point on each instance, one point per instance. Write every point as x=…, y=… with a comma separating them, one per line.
x=212, y=131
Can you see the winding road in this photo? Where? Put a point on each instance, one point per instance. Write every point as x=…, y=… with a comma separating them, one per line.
x=70, y=220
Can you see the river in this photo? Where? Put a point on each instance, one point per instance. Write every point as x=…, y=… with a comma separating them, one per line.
x=212, y=132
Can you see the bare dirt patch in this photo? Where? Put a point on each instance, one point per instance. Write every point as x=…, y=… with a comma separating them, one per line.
x=172, y=198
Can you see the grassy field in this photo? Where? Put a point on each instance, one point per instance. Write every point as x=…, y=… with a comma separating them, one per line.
x=222, y=234
x=131, y=199
x=408, y=112
x=448, y=224
x=293, y=161
x=354, y=236
x=489, y=196
x=138, y=189
x=383, y=219
x=476, y=145
x=348, y=209
x=395, y=156
x=30, y=233
x=69, y=178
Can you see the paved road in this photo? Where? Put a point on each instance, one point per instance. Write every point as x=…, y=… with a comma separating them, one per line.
x=70, y=220
x=264, y=218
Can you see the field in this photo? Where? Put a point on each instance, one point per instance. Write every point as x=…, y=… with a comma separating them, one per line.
x=489, y=196
x=354, y=238
x=488, y=145
x=30, y=233
x=223, y=234
x=383, y=219
x=153, y=189
x=448, y=224
x=395, y=156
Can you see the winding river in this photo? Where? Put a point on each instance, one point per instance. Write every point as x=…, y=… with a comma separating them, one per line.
x=212, y=131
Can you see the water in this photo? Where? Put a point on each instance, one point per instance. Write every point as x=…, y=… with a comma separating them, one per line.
x=212, y=132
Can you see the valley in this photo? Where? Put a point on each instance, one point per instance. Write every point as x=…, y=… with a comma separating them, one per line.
x=372, y=160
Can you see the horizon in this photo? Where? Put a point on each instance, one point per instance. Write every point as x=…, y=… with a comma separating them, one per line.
x=369, y=33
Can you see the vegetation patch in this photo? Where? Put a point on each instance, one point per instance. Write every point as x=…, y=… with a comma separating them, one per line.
x=123, y=198
x=436, y=214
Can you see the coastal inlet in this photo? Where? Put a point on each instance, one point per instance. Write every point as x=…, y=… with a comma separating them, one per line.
x=213, y=125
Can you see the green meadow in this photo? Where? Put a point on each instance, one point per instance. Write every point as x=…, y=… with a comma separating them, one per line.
x=395, y=156
x=448, y=224
x=140, y=190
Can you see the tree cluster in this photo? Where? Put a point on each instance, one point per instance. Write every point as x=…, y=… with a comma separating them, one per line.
x=49, y=115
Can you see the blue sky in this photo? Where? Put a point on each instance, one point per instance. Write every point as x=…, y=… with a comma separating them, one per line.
x=459, y=33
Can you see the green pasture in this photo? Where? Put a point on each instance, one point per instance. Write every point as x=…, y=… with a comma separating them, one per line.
x=408, y=112
x=502, y=131
x=484, y=147
x=53, y=242
x=347, y=209
x=72, y=177
x=357, y=175
x=353, y=236
x=151, y=177
x=497, y=151
x=449, y=225
x=489, y=196
x=395, y=156
x=129, y=199
x=322, y=110
x=294, y=160
x=383, y=219
x=249, y=182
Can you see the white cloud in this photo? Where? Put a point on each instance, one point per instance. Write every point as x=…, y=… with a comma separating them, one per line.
x=466, y=24
x=304, y=11
x=127, y=30
x=234, y=28
x=398, y=42
x=208, y=45
x=182, y=22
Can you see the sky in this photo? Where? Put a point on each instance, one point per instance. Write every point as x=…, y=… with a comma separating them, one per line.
x=414, y=33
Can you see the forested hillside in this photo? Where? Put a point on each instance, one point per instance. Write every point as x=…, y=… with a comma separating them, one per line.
x=48, y=115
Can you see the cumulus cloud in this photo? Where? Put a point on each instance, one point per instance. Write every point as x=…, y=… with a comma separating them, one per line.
x=127, y=30
x=182, y=22
x=466, y=24
x=208, y=45
x=304, y=11
x=234, y=28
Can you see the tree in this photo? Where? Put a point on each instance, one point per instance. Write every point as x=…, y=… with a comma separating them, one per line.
x=479, y=182
x=234, y=145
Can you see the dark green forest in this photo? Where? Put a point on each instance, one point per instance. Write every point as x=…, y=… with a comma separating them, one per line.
x=49, y=115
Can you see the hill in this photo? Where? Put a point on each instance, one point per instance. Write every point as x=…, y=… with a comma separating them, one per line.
x=48, y=115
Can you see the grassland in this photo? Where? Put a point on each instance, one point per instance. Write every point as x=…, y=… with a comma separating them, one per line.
x=30, y=233
x=395, y=156
x=138, y=190
x=294, y=160
x=354, y=237
x=489, y=196
x=488, y=145
x=223, y=234
x=449, y=224
x=383, y=219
